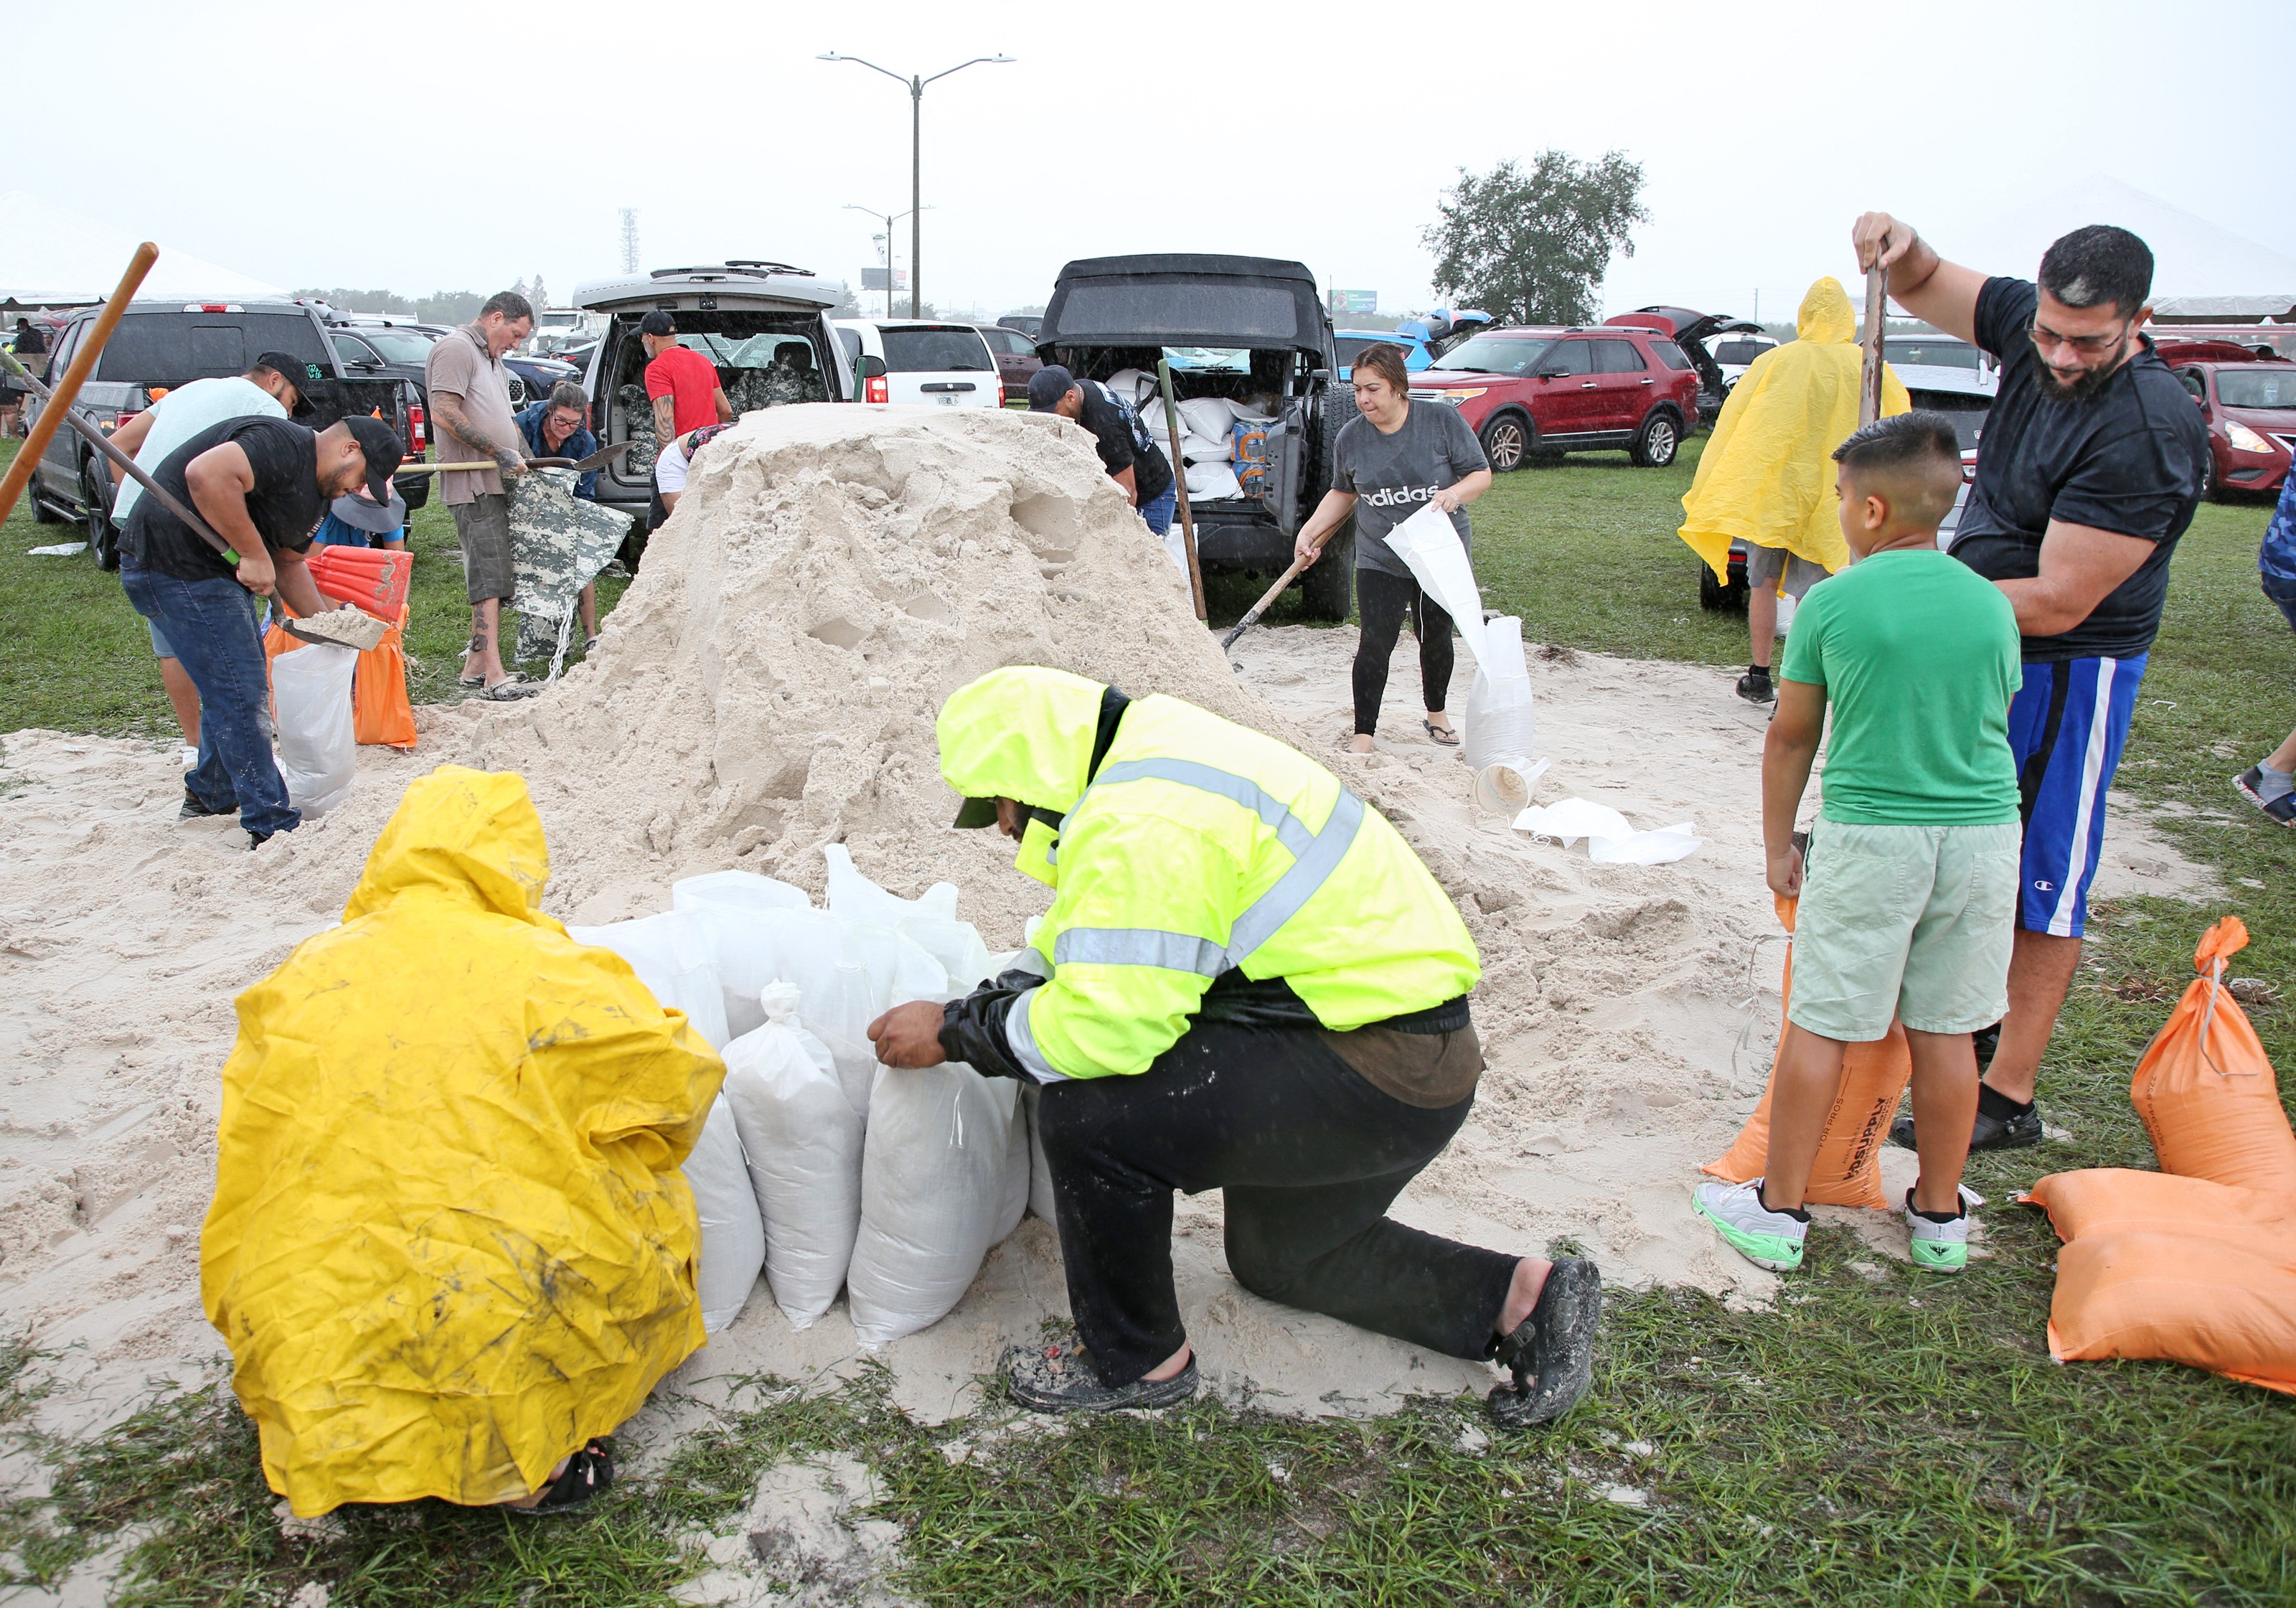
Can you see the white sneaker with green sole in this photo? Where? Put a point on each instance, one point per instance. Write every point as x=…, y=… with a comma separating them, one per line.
x=1765, y=1238
x=1941, y=1247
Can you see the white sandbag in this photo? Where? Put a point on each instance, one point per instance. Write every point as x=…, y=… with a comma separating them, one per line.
x=732, y=1234
x=812, y=948
x=318, y=743
x=1430, y=548
x=1014, y=1204
x=854, y=898
x=1213, y=483
x=1207, y=416
x=957, y=947
x=1502, y=718
x=1196, y=449
x=675, y=957
x=936, y=1176
x=802, y=1140
x=1133, y=385
x=737, y=890
x=1040, y=1170
x=1611, y=839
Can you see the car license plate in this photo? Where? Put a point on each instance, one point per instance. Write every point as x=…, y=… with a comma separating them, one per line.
x=945, y=401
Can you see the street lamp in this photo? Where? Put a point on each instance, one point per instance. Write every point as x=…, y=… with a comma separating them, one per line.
x=889, y=218
x=916, y=86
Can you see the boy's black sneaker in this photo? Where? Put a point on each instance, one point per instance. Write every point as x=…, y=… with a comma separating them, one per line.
x=2013, y=1130
x=1754, y=687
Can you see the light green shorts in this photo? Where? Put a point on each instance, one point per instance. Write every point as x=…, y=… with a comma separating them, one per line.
x=1910, y=922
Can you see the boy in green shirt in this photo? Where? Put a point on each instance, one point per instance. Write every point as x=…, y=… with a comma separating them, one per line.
x=1911, y=893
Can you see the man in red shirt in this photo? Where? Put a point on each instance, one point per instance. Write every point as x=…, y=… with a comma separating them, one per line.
x=682, y=383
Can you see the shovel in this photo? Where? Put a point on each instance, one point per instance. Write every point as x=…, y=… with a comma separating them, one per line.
x=597, y=460
x=1266, y=598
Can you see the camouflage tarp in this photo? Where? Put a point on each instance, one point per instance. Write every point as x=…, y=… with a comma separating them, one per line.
x=645, y=446
x=751, y=389
x=558, y=544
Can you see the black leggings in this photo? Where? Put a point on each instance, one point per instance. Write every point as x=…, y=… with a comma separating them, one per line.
x=1309, y=1154
x=1383, y=600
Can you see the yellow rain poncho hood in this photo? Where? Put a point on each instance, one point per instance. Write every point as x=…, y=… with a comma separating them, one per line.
x=1767, y=475
x=450, y=1240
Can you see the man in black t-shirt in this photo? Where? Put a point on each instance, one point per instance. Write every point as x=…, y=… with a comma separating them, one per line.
x=1126, y=450
x=262, y=485
x=2088, y=473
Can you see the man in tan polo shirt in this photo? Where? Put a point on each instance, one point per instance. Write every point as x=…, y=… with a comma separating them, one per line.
x=469, y=408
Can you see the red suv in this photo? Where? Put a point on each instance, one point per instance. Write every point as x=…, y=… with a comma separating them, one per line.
x=1526, y=390
x=2250, y=403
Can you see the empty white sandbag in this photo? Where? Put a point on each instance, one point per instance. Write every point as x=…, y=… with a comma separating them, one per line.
x=732, y=1234
x=738, y=891
x=936, y=1187
x=803, y=1141
x=674, y=954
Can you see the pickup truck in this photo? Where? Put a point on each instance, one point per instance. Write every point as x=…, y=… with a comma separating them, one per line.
x=162, y=344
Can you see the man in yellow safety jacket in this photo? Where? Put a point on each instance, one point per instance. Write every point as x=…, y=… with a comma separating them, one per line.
x=1246, y=981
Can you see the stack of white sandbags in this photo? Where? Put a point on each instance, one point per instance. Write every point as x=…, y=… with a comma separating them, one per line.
x=817, y=1165
x=1208, y=432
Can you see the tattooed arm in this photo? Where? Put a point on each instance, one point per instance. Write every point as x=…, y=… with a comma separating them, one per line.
x=665, y=418
x=456, y=419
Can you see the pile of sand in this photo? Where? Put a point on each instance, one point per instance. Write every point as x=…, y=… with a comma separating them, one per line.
x=767, y=686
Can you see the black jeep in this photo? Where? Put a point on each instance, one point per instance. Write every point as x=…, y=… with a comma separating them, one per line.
x=1250, y=329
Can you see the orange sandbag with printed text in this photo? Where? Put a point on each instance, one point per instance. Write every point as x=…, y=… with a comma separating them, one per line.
x=1849, y=1168
x=2205, y=1089
x=2174, y=1269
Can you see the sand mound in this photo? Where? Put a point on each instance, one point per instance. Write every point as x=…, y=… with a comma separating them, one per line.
x=767, y=686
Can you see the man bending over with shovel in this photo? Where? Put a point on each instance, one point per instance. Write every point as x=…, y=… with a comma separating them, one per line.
x=1247, y=982
x=261, y=484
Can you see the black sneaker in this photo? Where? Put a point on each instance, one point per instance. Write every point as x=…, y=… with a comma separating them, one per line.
x=1060, y=1378
x=257, y=839
x=193, y=810
x=2250, y=782
x=2019, y=1131
x=1552, y=1352
x=1756, y=688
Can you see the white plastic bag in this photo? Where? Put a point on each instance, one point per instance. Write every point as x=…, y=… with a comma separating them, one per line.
x=936, y=1188
x=1502, y=720
x=732, y=1234
x=318, y=744
x=737, y=890
x=1430, y=548
x=803, y=1142
x=1611, y=841
x=1041, y=1200
x=854, y=898
x=673, y=955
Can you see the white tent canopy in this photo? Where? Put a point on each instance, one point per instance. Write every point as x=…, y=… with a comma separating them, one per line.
x=2192, y=257
x=51, y=258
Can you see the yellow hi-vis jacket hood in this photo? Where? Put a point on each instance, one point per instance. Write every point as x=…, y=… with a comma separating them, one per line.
x=1767, y=475
x=449, y=1239
x=1199, y=847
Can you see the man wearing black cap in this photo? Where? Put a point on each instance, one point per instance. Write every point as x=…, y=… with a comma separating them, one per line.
x=1126, y=450
x=261, y=484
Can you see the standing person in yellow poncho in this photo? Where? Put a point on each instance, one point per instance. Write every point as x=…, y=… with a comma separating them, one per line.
x=1766, y=476
x=450, y=1246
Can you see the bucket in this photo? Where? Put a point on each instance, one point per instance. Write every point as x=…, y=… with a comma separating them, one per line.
x=1503, y=786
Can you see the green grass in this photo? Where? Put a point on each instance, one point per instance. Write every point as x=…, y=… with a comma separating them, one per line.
x=1889, y=1439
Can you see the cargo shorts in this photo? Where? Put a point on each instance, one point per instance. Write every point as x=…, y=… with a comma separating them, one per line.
x=482, y=528
x=1764, y=565
x=1910, y=922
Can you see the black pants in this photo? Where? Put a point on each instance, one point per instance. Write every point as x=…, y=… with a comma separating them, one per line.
x=1310, y=1155
x=1382, y=600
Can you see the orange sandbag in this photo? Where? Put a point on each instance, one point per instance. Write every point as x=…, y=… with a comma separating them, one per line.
x=2205, y=1088
x=373, y=577
x=1848, y=1168
x=380, y=711
x=2189, y=1298
x=2119, y=1200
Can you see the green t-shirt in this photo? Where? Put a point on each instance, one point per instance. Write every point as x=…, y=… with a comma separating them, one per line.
x=1918, y=654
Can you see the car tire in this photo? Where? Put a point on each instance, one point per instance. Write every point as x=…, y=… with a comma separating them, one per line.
x=2212, y=486
x=1507, y=440
x=1327, y=592
x=96, y=518
x=41, y=512
x=1657, y=441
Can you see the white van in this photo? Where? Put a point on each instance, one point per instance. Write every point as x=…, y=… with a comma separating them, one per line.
x=926, y=363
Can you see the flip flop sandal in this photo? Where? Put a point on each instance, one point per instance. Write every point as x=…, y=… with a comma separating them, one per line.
x=1443, y=736
x=1060, y=1378
x=475, y=646
x=509, y=690
x=1552, y=1352
x=588, y=1472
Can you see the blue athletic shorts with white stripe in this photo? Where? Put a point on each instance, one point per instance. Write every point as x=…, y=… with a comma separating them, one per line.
x=2067, y=727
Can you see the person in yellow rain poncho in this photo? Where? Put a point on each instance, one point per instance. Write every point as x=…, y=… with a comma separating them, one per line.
x=1766, y=476
x=450, y=1247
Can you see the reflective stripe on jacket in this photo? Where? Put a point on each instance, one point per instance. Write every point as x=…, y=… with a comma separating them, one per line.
x=1199, y=846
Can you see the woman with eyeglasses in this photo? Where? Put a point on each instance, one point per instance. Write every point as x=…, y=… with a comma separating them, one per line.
x=2089, y=474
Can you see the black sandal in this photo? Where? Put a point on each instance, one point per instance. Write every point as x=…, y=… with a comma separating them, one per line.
x=1060, y=1379
x=588, y=1472
x=1552, y=1352
x=1444, y=735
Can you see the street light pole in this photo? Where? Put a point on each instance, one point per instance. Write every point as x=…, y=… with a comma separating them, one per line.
x=890, y=219
x=916, y=88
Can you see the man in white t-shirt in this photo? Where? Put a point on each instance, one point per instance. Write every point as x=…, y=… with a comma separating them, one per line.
x=270, y=389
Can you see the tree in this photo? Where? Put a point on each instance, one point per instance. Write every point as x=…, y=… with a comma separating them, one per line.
x=1531, y=247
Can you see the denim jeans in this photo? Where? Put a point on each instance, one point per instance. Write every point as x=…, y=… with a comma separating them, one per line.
x=210, y=624
x=1158, y=511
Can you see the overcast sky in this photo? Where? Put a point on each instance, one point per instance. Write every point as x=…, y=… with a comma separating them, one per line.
x=421, y=145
